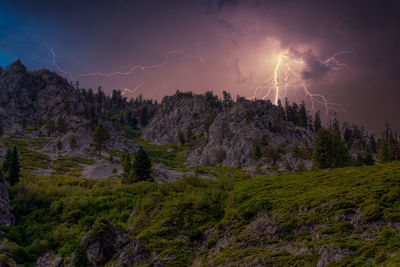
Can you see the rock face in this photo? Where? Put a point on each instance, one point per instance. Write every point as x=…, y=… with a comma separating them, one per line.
x=34, y=95
x=6, y=218
x=235, y=133
x=180, y=112
x=230, y=132
x=30, y=100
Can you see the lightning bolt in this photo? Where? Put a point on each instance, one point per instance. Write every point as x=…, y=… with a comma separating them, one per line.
x=286, y=76
x=131, y=91
x=163, y=63
x=275, y=81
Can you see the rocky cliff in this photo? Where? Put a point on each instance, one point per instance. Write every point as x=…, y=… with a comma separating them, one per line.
x=32, y=102
x=34, y=96
x=229, y=132
x=178, y=113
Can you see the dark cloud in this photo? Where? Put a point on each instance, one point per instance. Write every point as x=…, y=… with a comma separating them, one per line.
x=315, y=67
x=240, y=78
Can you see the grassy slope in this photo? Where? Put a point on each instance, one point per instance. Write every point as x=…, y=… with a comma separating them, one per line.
x=54, y=212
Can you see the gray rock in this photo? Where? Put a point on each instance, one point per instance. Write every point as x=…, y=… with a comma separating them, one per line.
x=234, y=133
x=101, y=169
x=331, y=255
x=49, y=259
x=176, y=113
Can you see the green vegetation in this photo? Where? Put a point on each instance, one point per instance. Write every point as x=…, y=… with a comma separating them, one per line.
x=137, y=170
x=352, y=208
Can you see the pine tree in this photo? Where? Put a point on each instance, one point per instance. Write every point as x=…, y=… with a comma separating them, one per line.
x=100, y=136
x=6, y=162
x=12, y=173
x=73, y=142
x=368, y=158
x=144, y=116
x=335, y=124
x=340, y=154
x=317, y=122
x=303, y=116
x=257, y=152
x=330, y=151
x=80, y=259
x=189, y=133
x=141, y=166
x=181, y=137
x=322, y=151
x=383, y=153
x=61, y=125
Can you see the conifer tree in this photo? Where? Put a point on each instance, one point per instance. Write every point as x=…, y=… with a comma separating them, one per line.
x=322, y=151
x=141, y=166
x=181, y=137
x=383, y=153
x=317, y=122
x=12, y=174
x=257, y=152
x=61, y=125
x=80, y=259
x=100, y=136
x=330, y=151
x=6, y=162
x=368, y=158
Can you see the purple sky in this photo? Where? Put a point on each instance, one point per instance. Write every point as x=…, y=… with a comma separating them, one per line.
x=223, y=45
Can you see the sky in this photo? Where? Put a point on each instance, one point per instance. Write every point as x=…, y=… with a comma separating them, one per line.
x=344, y=53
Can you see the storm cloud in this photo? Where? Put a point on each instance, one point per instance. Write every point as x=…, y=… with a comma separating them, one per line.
x=237, y=39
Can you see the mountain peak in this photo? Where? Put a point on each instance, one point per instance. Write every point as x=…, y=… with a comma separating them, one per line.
x=16, y=66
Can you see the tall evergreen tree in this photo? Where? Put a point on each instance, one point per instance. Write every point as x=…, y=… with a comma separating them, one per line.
x=181, y=137
x=368, y=158
x=100, y=136
x=335, y=124
x=6, y=162
x=303, y=116
x=383, y=153
x=317, y=122
x=12, y=174
x=144, y=116
x=330, y=151
x=257, y=152
x=322, y=152
x=141, y=165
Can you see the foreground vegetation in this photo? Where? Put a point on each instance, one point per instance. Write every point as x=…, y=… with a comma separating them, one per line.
x=216, y=221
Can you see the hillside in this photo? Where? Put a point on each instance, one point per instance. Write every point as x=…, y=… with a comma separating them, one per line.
x=348, y=216
x=229, y=181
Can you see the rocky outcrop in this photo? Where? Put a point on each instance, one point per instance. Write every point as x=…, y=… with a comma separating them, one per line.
x=35, y=95
x=31, y=101
x=6, y=217
x=228, y=131
x=180, y=112
x=329, y=255
x=234, y=134
x=49, y=259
